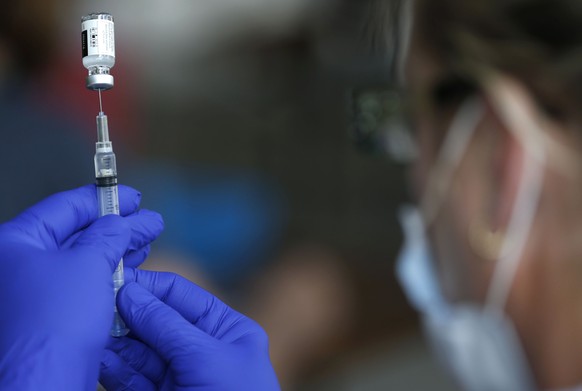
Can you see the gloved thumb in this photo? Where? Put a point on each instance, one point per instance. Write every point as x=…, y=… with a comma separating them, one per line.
x=107, y=238
x=159, y=325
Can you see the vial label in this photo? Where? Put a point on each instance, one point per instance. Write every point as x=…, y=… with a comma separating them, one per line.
x=98, y=38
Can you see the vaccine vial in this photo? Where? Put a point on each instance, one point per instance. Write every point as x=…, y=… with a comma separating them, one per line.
x=98, y=46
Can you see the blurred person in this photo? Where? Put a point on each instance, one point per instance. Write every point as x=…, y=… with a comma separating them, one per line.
x=492, y=251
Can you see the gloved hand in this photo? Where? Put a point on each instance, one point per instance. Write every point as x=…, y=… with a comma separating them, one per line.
x=185, y=338
x=56, y=290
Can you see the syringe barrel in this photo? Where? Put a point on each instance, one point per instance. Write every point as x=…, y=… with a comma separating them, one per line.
x=108, y=199
x=105, y=166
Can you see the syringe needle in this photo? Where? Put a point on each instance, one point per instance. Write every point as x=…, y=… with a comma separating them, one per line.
x=100, y=102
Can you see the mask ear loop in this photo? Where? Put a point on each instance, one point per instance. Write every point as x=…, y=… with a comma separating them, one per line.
x=526, y=202
x=449, y=158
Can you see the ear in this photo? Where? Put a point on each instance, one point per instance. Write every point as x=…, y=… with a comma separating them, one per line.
x=517, y=123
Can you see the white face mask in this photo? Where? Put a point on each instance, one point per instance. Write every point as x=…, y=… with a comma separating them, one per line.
x=479, y=347
x=478, y=344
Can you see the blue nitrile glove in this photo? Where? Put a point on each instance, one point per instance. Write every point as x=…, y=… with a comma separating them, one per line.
x=185, y=339
x=56, y=290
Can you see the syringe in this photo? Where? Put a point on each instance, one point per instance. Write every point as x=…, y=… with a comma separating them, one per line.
x=98, y=48
x=108, y=198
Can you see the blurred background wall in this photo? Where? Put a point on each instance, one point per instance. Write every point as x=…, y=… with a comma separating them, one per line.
x=234, y=118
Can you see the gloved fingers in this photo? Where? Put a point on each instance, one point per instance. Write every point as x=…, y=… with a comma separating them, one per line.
x=107, y=238
x=146, y=226
x=116, y=374
x=135, y=258
x=112, y=236
x=139, y=357
x=70, y=241
x=57, y=217
x=158, y=325
x=196, y=305
x=129, y=200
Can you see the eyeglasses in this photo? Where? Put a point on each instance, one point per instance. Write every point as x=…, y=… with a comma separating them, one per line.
x=380, y=123
x=383, y=119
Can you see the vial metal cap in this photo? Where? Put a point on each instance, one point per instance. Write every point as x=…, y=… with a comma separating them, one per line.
x=99, y=82
x=97, y=15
